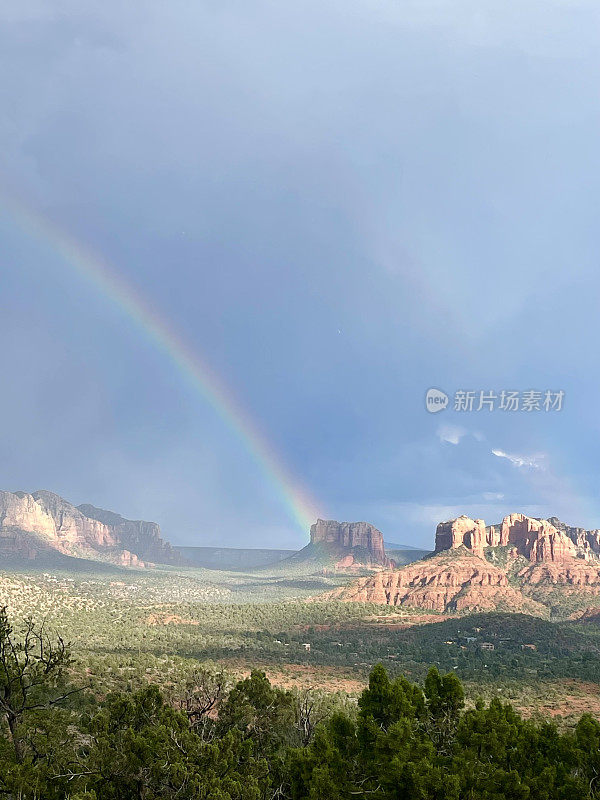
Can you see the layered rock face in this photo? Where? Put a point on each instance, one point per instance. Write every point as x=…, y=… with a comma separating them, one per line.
x=83, y=532
x=471, y=533
x=138, y=536
x=361, y=537
x=587, y=542
x=466, y=583
x=535, y=539
x=544, y=563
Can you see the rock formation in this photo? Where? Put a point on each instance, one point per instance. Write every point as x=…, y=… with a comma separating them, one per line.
x=438, y=584
x=535, y=539
x=349, y=536
x=141, y=538
x=462, y=531
x=524, y=564
x=587, y=542
x=339, y=546
x=33, y=523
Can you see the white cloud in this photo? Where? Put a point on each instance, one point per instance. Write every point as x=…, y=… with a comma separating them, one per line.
x=530, y=462
x=490, y=496
x=450, y=433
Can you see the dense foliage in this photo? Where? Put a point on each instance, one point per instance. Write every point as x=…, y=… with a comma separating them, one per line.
x=210, y=740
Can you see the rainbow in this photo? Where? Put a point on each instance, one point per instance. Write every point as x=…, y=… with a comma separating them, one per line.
x=90, y=266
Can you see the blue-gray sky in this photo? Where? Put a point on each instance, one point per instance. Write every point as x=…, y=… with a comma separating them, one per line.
x=340, y=205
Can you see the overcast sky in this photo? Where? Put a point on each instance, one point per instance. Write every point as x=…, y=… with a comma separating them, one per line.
x=338, y=205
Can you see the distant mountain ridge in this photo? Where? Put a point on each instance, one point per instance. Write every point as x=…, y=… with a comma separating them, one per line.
x=315, y=557
x=34, y=525
x=45, y=528
x=232, y=558
x=396, y=546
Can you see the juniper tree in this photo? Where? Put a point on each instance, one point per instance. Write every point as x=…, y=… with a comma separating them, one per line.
x=32, y=676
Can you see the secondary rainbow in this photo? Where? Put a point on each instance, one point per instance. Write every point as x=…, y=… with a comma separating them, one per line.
x=301, y=508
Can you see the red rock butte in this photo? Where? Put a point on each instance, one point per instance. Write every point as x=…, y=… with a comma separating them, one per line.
x=348, y=536
x=523, y=564
x=535, y=539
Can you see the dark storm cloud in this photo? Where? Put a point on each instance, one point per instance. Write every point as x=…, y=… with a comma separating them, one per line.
x=340, y=205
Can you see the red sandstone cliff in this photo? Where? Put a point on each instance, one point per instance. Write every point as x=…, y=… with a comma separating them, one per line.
x=441, y=584
x=350, y=547
x=462, y=531
x=535, y=539
x=81, y=532
x=541, y=563
x=351, y=538
x=587, y=542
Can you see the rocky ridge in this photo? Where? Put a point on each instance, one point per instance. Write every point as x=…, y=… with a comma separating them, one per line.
x=523, y=564
x=535, y=539
x=34, y=524
x=463, y=583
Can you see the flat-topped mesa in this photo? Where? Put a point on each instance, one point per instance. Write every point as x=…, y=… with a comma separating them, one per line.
x=535, y=539
x=348, y=536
